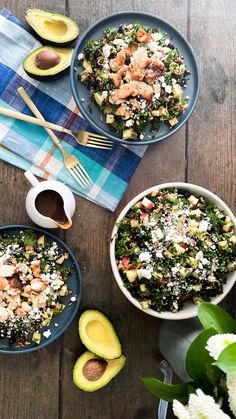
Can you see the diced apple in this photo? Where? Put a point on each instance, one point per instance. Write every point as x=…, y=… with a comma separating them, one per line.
x=154, y=193
x=173, y=121
x=147, y=203
x=223, y=244
x=128, y=133
x=139, y=204
x=125, y=261
x=144, y=218
x=197, y=213
x=226, y=227
x=110, y=118
x=145, y=304
x=41, y=241
x=179, y=249
x=134, y=223
x=232, y=239
x=131, y=275
x=193, y=200
x=99, y=98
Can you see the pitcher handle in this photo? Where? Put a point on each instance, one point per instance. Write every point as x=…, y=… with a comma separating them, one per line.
x=167, y=371
x=31, y=178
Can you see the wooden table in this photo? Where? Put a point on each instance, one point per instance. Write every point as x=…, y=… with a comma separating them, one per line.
x=39, y=385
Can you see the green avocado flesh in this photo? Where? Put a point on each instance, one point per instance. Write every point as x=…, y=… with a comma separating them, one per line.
x=98, y=335
x=52, y=27
x=91, y=373
x=47, y=62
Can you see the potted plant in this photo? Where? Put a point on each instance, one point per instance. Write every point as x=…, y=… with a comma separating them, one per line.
x=210, y=391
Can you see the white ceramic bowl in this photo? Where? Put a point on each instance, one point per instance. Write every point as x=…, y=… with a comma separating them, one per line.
x=190, y=309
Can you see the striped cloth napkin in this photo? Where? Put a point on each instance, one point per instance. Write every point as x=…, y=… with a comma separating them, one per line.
x=29, y=147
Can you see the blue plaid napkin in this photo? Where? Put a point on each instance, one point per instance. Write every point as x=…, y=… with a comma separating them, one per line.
x=29, y=147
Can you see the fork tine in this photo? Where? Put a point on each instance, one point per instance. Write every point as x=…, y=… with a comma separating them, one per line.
x=77, y=170
x=77, y=178
x=98, y=141
x=98, y=146
x=85, y=172
x=98, y=136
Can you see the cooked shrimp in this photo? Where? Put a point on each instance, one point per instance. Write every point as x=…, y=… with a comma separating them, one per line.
x=117, y=77
x=35, y=267
x=154, y=71
x=143, y=36
x=37, y=285
x=141, y=57
x=4, y=315
x=117, y=62
x=131, y=49
x=134, y=88
x=3, y=283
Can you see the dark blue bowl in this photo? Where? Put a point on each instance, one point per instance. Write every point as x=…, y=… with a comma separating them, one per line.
x=81, y=93
x=67, y=315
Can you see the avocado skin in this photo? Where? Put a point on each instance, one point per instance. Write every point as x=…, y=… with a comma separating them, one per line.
x=48, y=78
x=48, y=74
x=90, y=386
x=55, y=44
x=47, y=41
x=114, y=350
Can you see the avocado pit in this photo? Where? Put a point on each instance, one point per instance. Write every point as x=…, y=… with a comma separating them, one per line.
x=47, y=59
x=93, y=369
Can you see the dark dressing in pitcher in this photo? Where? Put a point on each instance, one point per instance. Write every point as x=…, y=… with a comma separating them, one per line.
x=50, y=204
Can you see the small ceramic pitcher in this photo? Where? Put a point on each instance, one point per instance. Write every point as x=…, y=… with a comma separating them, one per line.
x=49, y=185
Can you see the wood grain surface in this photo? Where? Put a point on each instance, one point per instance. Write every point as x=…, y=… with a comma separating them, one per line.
x=39, y=385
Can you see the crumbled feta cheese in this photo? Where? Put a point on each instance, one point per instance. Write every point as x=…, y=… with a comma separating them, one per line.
x=104, y=94
x=56, y=325
x=47, y=333
x=168, y=89
x=80, y=56
x=73, y=299
x=141, y=136
x=203, y=225
x=106, y=50
x=120, y=42
x=145, y=257
x=157, y=36
x=144, y=273
x=129, y=123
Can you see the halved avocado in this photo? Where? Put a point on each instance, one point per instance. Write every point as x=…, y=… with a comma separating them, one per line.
x=47, y=63
x=90, y=372
x=52, y=27
x=98, y=335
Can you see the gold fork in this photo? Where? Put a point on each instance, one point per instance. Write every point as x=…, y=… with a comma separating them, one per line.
x=71, y=162
x=83, y=138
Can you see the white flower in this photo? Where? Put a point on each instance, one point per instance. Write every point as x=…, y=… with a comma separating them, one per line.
x=180, y=411
x=231, y=386
x=216, y=344
x=200, y=406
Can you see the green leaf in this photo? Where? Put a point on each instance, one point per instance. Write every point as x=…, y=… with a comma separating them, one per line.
x=213, y=316
x=29, y=238
x=168, y=392
x=227, y=360
x=198, y=357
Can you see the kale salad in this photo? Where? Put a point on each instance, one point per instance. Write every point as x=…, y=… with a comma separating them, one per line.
x=172, y=247
x=33, y=278
x=136, y=75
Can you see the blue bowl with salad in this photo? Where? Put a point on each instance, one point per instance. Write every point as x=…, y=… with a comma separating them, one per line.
x=173, y=246
x=134, y=78
x=40, y=288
